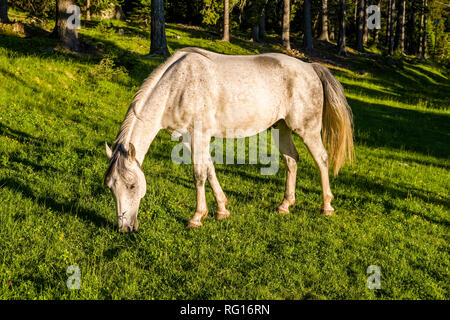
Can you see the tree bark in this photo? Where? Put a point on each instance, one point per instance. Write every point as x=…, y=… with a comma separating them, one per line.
x=64, y=28
x=400, y=30
x=259, y=29
x=324, y=35
x=376, y=32
x=4, y=11
x=262, y=23
x=412, y=41
x=391, y=27
x=226, y=21
x=88, y=9
x=286, y=23
x=366, y=29
x=423, y=45
x=341, y=41
x=255, y=33
x=388, y=24
x=332, y=31
x=158, y=44
x=360, y=27
x=307, y=38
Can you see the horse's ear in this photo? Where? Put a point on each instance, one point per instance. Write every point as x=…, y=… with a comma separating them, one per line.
x=108, y=151
x=131, y=152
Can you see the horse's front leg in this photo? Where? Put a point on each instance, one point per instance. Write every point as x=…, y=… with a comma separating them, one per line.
x=200, y=157
x=290, y=156
x=201, y=211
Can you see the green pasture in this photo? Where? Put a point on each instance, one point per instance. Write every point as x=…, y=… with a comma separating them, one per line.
x=57, y=109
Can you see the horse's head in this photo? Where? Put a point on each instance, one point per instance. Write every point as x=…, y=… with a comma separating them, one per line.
x=126, y=181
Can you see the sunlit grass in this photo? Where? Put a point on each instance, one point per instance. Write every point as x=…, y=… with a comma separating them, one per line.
x=57, y=109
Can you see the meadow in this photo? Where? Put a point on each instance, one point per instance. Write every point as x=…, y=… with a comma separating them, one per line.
x=57, y=109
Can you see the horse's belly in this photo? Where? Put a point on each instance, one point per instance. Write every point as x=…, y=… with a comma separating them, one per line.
x=249, y=108
x=246, y=120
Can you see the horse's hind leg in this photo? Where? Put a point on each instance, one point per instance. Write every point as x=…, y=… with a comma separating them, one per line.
x=320, y=155
x=221, y=199
x=290, y=156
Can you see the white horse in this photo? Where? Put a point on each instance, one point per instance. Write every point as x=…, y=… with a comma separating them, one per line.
x=227, y=94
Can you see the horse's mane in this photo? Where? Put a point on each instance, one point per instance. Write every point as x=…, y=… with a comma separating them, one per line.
x=119, y=161
x=144, y=91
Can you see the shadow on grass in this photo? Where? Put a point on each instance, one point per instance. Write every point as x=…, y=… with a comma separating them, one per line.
x=25, y=138
x=41, y=47
x=36, y=167
x=379, y=125
x=73, y=208
x=396, y=192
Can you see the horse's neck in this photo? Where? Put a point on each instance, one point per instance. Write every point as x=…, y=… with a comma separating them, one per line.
x=141, y=134
x=143, y=120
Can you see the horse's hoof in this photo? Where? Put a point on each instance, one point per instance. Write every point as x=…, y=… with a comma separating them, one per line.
x=283, y=210
x=222, y=214
x=328, y=212
x=194, y=224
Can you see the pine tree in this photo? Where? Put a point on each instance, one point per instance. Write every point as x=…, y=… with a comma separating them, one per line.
x=307, y=38
x=226, y=21
x=4, y=11
x=324, y=35
x=341, y=40
x=286, y=24
x=158, y=44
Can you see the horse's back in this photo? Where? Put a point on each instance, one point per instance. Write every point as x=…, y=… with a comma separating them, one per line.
x=237, y=91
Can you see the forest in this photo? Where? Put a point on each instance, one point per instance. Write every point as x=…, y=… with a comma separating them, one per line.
x=418, y=27
x=69, y=70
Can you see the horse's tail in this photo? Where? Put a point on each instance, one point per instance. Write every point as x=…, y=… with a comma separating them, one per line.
x=337, y=120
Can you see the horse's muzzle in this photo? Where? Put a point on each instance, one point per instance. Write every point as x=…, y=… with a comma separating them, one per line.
x=126, y=225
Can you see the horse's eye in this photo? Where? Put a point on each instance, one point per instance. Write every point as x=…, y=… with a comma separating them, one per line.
x=132, y=186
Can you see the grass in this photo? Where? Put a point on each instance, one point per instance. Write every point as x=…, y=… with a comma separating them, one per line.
x=57, y=109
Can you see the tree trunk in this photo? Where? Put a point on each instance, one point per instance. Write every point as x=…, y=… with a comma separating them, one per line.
x=241, y=12
x=388, y=24
x=423, y=45
x=4, y=11
x=118, y=13
x=259, y=29
x=158, y=44
x=88, y=9
x=341, y=41
x=307, y=38
x=412, y=41
x=332, y=30
x=226, y=21
x=376, y=31
x=360, y=27
x=65, y=29
x=391, y=28
x=262, y=23
x=400, y=30
x=286, y=23
x=255, y=33
x=366, y=29
x=54, y=33
x=324, y=35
